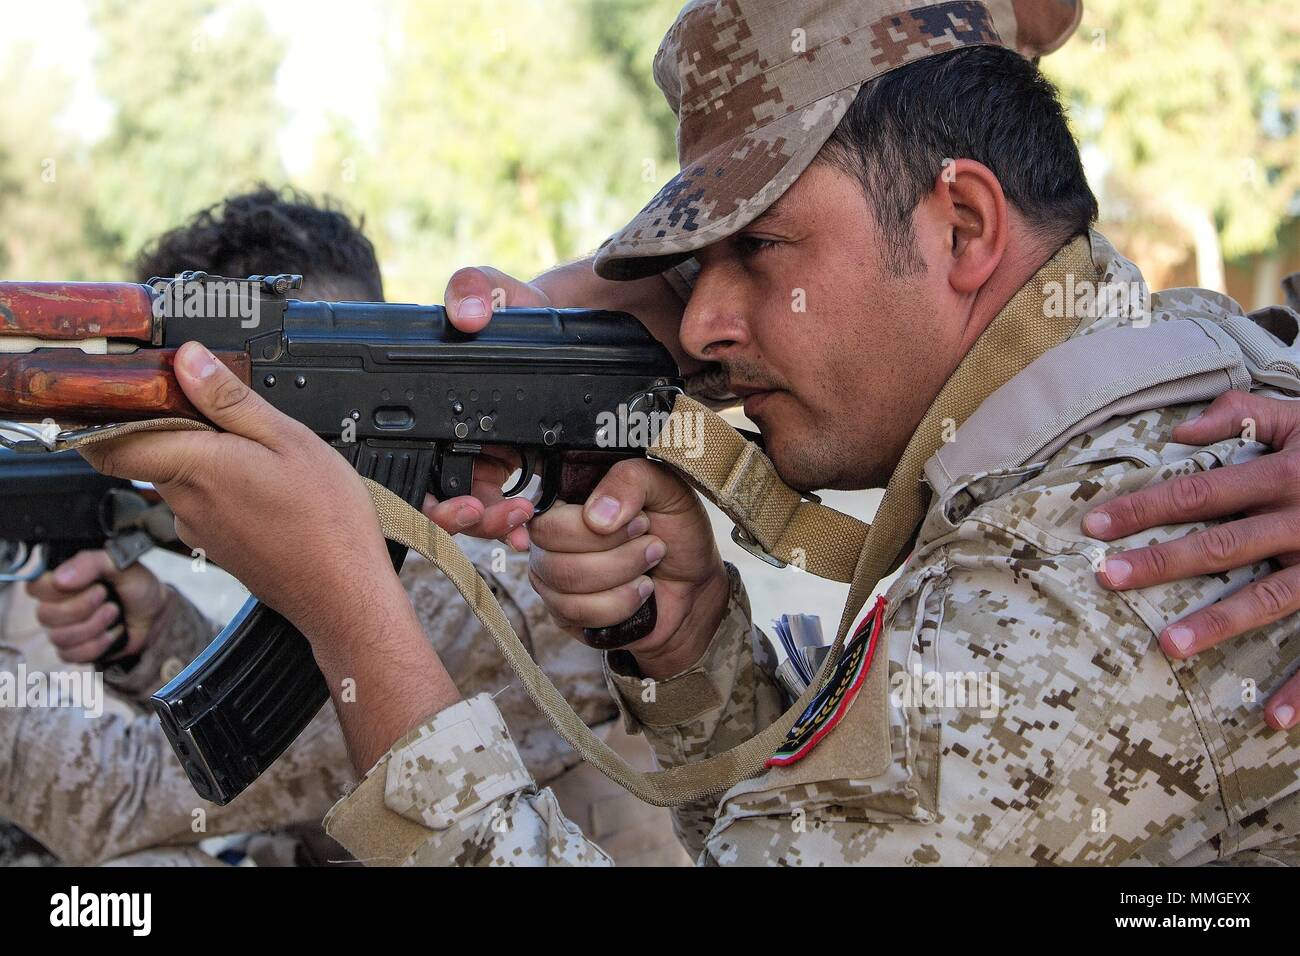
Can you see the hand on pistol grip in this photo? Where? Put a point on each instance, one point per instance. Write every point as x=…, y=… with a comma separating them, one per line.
x=564, y=476
x=592, y=563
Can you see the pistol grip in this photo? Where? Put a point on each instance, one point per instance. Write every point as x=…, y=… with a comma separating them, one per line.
x=620, y=635
x=105, y=659
x=57, y=552
x=579, y=473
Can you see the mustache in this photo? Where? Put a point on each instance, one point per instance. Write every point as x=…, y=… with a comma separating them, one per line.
x=752, y=375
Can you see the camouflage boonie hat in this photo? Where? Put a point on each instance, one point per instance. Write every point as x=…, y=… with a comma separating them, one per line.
x=758, y=86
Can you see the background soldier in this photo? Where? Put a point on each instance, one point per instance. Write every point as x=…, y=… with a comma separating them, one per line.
x=95, y=789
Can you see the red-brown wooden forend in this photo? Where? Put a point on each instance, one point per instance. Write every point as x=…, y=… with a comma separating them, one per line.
x=77, y=310
x=72, y=387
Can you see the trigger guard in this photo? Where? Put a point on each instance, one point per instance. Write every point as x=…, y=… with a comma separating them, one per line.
x=526, y=466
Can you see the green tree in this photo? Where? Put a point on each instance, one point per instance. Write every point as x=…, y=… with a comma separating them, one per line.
x=629, y=32
x=507, y=136
x=1195, y=106
x=195, y=114
x=45, y=182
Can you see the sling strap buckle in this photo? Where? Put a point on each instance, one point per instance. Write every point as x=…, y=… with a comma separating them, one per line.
x=750, y=543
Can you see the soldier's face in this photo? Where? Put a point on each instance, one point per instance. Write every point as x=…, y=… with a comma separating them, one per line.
x=836, y=356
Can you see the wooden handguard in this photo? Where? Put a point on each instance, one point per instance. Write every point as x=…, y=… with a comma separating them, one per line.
x=72, y=387
x=67, y=311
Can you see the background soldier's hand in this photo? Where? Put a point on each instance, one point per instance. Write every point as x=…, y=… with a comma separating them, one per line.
x=80, y=620
x=642, y=531
x=1264, y=497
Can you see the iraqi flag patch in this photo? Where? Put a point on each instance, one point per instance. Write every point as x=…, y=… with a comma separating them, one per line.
x=832, y=701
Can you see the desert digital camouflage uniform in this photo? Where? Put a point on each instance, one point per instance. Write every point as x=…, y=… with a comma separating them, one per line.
x=109, y=788
x=94, y=789
x=1100, y=749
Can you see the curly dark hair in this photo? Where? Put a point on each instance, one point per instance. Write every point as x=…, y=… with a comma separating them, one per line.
x=266, y=232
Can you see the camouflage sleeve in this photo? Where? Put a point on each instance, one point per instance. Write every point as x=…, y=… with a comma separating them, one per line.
x=94, y=780
x=179, y=632
x=727, y=697
x=454, y=792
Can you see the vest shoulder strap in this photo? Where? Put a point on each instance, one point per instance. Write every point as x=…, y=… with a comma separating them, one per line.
x=1122, y=370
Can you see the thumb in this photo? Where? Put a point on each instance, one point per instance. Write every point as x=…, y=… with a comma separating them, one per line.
x=72, y=576
x=473, y=293
x=223, y=399
x=628, y=488
x=84, y=569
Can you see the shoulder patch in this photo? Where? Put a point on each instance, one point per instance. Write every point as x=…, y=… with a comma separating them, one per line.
x=832, y=702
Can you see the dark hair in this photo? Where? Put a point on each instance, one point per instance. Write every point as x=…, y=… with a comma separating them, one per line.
x=983, y=103
x=268, y=232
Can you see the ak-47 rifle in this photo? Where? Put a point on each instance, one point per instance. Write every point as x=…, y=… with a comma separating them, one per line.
x=53, y=506
x=407, y=398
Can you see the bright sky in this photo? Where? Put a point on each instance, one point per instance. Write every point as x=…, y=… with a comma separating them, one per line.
x=319, y=34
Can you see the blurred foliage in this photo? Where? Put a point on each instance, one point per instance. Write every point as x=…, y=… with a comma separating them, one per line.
x=195, y=113
x=522, y=132
x=628, y=32
x=507, y=135
x=1195, y=106
x=45, y=184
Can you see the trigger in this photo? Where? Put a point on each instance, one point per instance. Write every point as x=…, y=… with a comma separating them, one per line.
x=526, y=464
x=552, y=467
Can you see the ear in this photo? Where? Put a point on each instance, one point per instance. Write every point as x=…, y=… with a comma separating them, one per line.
x=968, y=203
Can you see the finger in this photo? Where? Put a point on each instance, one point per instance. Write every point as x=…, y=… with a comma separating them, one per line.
x=229, y=403
x=519, y=539
x=599, y=571
x=564, y=529
x=1283, y=706
x=1196, y=497
x=604, y=609
x=500, y=519
x=1272, y=421
x=75, y=574
x=1258, y=603
x=88, y=630
x=630, y=487
x=491, y=471
x=74, y=610
x=467, y=515
x=1223, y=547
x=90, y=650
x=161, y=458
x=455, y=514
x=472, y=293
